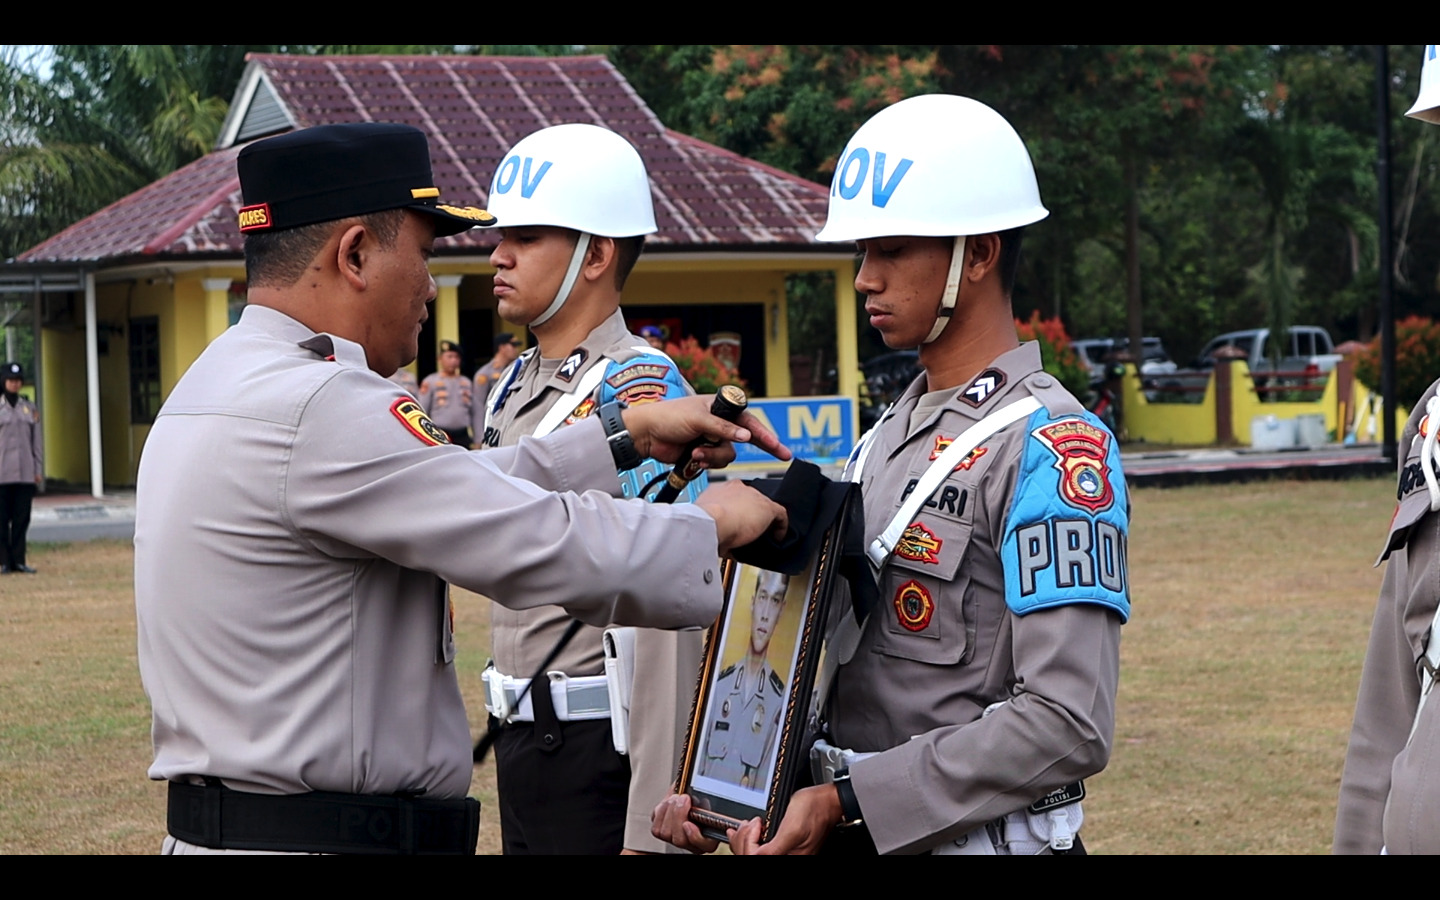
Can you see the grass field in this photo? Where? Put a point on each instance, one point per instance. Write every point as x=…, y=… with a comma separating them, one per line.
x=1239, y=669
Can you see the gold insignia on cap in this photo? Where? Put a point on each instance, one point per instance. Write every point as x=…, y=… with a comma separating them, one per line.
x=424, y=193
x=473, y=213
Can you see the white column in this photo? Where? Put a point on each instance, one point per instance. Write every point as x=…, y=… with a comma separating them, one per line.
x=92, y=389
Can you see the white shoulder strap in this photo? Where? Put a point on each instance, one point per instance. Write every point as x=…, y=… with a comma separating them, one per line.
x=566, y=403
x=880, y=549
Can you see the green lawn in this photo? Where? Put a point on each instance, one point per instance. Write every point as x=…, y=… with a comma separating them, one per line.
x=1238, y=677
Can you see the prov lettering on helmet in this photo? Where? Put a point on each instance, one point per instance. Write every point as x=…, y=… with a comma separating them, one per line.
x=514, y=169
x=850, y=176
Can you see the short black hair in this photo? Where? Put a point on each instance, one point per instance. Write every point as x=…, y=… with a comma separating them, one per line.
x=280, y=258
x=627, y=252
x=1010, y=257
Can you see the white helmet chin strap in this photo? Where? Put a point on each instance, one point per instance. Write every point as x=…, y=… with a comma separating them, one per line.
x=577, y=259
x=952, y=289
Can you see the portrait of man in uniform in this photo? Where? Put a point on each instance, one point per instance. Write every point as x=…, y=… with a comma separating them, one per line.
x=747, y=697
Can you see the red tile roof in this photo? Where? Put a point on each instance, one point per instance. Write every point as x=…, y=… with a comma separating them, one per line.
x=473, y=109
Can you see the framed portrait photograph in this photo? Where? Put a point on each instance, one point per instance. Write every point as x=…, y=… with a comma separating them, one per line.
x=748, y=726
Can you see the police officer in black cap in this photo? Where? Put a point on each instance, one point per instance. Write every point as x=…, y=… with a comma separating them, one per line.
x=295, y=632
x=22, y=468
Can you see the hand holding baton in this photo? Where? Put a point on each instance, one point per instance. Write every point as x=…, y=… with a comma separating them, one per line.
x=730, y=402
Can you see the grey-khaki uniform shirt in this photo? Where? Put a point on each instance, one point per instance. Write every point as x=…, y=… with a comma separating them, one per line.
x=666, y=662
x=22, y=442
x=1390, y=790
x=295, y=632
x=979, y=605
x=447, y=400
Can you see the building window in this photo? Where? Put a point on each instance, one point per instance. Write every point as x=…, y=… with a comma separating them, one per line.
x=144, y=370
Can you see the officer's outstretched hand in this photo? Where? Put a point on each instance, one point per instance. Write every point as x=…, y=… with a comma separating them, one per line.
x=742, y=514
x=670, y=822
x=812, y=813
x=664, y=430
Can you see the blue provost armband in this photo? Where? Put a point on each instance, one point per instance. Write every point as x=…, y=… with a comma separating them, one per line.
x=647, y=378
x=1065, y=537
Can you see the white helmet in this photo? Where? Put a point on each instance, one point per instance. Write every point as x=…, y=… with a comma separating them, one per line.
x=1427, y=105
x=575, y=176
x=934, y=166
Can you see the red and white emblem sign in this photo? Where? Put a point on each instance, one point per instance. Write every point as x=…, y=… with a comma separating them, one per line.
x=1080, y=450
x=913, y=606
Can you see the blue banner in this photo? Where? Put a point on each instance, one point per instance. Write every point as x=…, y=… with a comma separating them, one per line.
x=818, y=429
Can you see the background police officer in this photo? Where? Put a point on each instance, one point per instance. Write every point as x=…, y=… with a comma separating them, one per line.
x=22, y=468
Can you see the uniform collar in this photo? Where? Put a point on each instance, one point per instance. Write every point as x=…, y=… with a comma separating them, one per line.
x=272, y=321
x=979, y=397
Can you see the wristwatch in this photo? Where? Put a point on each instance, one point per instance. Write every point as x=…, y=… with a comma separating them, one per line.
x=622, y=448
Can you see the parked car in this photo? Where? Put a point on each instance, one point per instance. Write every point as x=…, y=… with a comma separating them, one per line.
x=1308, y=348
x=1094, y=352
x=1308, y=352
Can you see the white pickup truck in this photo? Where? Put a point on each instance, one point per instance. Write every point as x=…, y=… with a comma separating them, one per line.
x=1308, y=349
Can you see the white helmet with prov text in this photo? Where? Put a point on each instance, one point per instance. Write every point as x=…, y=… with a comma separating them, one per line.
x=582, y=177
x=1427, y=105
x=575, y=176
x=936, y=165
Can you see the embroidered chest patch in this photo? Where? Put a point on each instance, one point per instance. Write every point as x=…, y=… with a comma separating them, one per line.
x=919, y=544
x=1080, y=450
x=913, y=606
x=584, y=409
x=413, y=417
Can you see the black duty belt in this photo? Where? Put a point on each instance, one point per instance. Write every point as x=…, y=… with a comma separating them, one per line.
x=212, y=815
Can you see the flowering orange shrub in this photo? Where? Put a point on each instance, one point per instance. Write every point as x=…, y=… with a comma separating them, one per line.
x=1417, y=360
x=701, y=367
x=1055, y=352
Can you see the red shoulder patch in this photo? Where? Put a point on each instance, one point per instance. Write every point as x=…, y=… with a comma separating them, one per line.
x=417, y=423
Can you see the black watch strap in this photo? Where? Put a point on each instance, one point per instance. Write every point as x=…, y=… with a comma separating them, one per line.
x=622, y=448
x=849, y=804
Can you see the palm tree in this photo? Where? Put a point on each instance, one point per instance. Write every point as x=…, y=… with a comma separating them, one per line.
x=102, y=122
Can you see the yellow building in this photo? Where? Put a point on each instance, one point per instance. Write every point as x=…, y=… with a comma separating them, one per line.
x=123, y=301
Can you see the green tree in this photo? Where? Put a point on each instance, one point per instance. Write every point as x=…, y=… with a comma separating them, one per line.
x=107, y=120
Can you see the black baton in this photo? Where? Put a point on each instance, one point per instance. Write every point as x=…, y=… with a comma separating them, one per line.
x=730, y=402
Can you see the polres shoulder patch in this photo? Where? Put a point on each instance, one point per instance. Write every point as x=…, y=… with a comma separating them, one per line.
x=413, y=417
x=1080, y=456
x=652, y=371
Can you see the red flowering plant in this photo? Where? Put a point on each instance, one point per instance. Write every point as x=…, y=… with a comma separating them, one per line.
x=1056, y=354
x=1417, y=360
x=705, y=371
